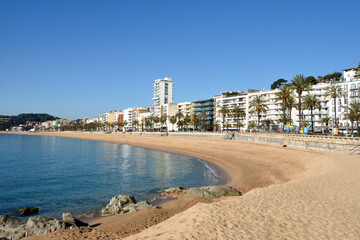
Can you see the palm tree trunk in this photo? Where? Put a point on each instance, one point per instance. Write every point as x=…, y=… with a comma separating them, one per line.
x=258, y=121
x=336, y=122
x=352, y=127
x=357, y=126
x=290, y=110
x=223, y=128
x=237, y=123
x=284, y=118
x=299, y=112
x=312, y=123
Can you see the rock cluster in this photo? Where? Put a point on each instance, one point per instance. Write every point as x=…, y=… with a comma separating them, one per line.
x=121, y=204
x=210, y=192
x=12, y=228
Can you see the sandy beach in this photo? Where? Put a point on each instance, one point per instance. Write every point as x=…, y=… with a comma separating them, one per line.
x=289, y=193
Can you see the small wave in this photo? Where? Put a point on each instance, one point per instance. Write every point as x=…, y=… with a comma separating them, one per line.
x=211, y=169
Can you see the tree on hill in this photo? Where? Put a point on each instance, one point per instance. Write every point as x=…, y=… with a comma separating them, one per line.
x=10, y=121
x=333, y=77
x=310, y=80
x=278, y=83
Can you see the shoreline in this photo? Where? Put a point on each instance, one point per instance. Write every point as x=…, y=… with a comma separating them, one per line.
x=269, y=177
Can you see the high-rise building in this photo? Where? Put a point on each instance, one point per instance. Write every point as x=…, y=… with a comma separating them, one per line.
x=162, y=94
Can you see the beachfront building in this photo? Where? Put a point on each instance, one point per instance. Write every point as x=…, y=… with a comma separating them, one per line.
x=186, y=108
x=140, y=114
x=128, y=116
x=204, y=110
x=274, y=110
x=90, y=120
x=118, y=116
x=230, y=100
x=350, y=83
x=162, y=94
x=169, y=110
x=108, y=117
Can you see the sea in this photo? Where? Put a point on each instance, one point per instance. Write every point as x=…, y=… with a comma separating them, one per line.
x=60, y=175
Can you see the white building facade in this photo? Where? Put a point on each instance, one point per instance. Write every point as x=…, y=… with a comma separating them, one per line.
x=350, y=83
x=162, y=94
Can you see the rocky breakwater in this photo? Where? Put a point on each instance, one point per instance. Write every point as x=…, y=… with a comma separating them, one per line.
x=12, y=228
x=209, y=192
x=121, y=204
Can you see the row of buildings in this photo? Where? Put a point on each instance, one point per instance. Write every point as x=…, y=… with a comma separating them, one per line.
x=209, y=110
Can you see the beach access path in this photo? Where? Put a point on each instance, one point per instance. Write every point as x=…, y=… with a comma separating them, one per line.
x=290, y=193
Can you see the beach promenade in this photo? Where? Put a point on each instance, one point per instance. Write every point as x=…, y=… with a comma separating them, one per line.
x=289, y=193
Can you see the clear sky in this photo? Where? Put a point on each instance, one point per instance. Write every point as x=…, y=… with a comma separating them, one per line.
x=75, y=59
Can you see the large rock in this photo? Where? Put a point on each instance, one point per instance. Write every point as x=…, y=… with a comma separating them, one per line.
x=210, y=192
x=11, y=228
x=41, y=225
x=27, y=211
x=121, y=204
x=137, y=207
x=71, y=221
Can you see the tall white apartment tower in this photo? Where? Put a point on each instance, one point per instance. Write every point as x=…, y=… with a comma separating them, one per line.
x=163, y=94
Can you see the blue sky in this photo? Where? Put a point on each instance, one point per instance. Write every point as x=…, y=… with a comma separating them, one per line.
x=77, y=59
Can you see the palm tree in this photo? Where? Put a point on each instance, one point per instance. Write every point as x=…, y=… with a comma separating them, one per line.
x=203, y=116
x=179, y=115
x=334, y=92
x=284, y=95
x=216, y=125
x=173, y=120
x=350, y=116
x=187, y=121
x=268, y=122
x=155, y=119
x=354, y=110
x=290, y=105
x=181, y=124
x=195, y=120
x=326, y=120
x=135, y=123
x=311, y=102
x=299, y=85
x=148, y=122
x=238, y=113
x=125, y=124
x=162, y=120
x=258, y=105
x=252, y=124
x=224, y=112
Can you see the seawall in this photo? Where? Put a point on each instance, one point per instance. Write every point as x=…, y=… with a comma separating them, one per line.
x=322, y=143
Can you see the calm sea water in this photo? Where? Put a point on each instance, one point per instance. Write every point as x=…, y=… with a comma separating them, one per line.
x=80, y=176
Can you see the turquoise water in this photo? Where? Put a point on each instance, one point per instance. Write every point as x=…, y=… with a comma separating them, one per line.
x=80, y=176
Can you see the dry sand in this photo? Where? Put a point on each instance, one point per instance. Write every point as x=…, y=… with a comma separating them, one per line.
x=291, y=193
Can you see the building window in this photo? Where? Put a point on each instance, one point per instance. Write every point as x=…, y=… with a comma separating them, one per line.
x=352, y=86
x=345, y=101
x=333, y=109
x=346, y=87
